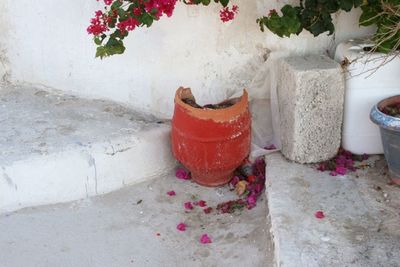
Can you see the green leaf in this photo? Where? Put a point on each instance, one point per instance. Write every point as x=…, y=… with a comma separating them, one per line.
x=206, y=2
x=97, y=40
x=101, y=52
x=147, y=19
x=224, y=3
x=346, y=5
x=116, y=5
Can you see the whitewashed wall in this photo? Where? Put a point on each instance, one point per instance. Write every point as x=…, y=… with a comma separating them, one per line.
x=44, y=42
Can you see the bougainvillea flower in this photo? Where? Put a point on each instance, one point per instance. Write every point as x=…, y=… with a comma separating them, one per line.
x=202, y=203
x=251, y=178
x=319, y=214
x=333, y=173
x=181, y=173
x=181, y=227
x=270, y=147
x=205, y=239
x=226, y=14
x=251, y=201
x=188, y=206
x=321, y=167
x=258, y=188
x=207, y=210
x=341, y=160
x=235, y=180
x=341, y=170
x=171, y=193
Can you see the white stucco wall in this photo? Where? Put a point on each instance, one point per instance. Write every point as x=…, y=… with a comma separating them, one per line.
x=45, y=43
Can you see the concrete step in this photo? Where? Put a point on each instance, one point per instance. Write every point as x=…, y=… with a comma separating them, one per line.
x=362, y=215
x=56, y=147
x=136, y=226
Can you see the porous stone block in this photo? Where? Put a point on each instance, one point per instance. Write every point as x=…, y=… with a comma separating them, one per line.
x=310, y=92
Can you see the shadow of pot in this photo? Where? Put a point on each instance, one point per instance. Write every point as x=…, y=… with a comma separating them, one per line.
x=390, y=133
x=211, y=143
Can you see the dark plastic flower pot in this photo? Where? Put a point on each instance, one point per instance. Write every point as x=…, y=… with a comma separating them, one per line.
x=390, y=133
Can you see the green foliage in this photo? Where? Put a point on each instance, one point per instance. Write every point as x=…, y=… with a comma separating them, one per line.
x=311, y=15
x=285, y=25
x=112, y=47
x=315, y=16
x=385, y=14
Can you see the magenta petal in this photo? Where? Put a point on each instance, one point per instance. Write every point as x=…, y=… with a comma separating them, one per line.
x=181, y=173
x=202, y=203
x=205, y=239
x=341, y=170
x=319, y=214
x=252, y=199
x=188, y=206
x=234, y=181
x=181, y=227
x=171, y=193
x=270, y=147
x=321, y=167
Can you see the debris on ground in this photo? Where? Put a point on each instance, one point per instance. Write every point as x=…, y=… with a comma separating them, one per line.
x=343, y=162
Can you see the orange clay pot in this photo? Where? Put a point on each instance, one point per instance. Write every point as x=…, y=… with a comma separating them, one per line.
x=211, y=143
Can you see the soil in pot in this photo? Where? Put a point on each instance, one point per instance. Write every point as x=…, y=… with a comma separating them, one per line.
x=391, y=110
x=225, y=104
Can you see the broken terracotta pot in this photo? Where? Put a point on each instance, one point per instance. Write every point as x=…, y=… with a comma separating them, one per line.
x=211, y=143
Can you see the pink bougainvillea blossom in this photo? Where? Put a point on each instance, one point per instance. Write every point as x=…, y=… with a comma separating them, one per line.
x=171, y=193
x=251, y=178
x=341, y=170
x=319, y=214
x=182, y=174
x=128, y=25
x=205, y=239
x=227, y=14
x=181, y=227
x=251, y=200
x=188, y=205
x=98, y=24
x=202, y=203
x=207, y=210
x=270, y=147
x=235, y=180
x=321, y=167
x=333, y=173
x=342, y=163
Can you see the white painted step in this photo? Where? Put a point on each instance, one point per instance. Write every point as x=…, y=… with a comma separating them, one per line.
x=57, y=148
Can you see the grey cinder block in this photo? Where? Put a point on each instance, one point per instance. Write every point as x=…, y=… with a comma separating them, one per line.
x=310, y=92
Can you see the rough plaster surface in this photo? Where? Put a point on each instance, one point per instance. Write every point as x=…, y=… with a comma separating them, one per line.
x=114, y=230
x=193, y=48
x=310, y=98
x=56, y=147
x=361, y=227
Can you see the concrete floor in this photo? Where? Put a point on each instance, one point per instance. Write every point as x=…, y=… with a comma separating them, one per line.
x=136, y=226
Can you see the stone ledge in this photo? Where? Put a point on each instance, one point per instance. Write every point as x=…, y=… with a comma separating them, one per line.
x=361, y=227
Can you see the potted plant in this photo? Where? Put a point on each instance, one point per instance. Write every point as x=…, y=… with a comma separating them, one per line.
x=211, y=141
x=386, y=114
